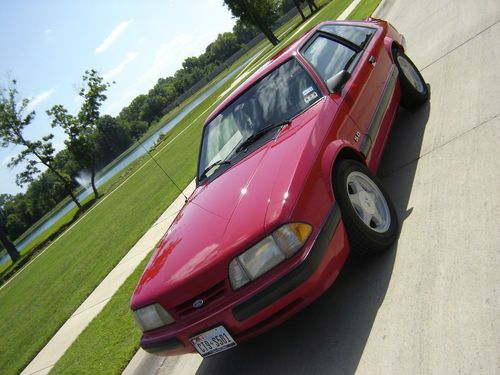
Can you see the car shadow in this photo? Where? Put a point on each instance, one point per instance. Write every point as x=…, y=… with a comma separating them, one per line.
x=329, y=336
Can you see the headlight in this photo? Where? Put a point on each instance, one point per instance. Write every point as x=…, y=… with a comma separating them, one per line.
x=152, y=316
x=265, y=255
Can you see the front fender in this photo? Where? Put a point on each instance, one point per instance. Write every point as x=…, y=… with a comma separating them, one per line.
x=338, y=148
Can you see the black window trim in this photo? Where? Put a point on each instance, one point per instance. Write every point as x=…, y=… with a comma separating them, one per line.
x=346, y=43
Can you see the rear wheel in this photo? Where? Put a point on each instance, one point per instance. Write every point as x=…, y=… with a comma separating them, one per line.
x=367, y=211
x=414, y=90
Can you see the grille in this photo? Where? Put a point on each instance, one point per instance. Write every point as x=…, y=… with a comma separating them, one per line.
x=209, y=297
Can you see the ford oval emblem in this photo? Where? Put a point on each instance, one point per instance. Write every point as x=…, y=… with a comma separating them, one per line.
x=198, y=303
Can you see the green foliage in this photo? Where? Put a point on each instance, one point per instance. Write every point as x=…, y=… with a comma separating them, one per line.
x=111, y=139
x=81, y=130
x=13, y=121
x=12, y=118
x=261, y=14
x=244, y=32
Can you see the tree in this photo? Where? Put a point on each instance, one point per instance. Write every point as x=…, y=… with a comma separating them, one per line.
x=4, y=240
x=244, y=32
x=258, y=13
x=297, y=5
x=222, y=48
x=112, y=139
x=82, y=129
x=12, y=123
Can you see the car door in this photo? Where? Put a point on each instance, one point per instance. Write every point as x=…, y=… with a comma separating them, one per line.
x=354, y=49
x=367, y=93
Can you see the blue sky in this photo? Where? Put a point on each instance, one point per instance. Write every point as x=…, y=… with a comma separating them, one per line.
x=47, y=45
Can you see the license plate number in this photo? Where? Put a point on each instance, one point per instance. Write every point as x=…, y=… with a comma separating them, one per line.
x=213, y=341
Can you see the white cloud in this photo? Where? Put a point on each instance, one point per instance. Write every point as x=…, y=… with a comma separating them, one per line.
x=170, y=55
x=40, y=98
x=110, y=74
x=168, y=58
x=113, y=36
x=48, y=31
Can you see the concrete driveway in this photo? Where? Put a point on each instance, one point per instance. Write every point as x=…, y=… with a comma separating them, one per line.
x=431, y=304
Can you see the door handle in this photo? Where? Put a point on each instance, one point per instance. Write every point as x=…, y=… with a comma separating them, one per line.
x=372, y=60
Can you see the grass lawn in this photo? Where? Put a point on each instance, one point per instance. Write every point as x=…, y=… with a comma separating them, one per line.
x=110, y=341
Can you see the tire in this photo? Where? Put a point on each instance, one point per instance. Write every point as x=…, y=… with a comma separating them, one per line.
x=367, y=212
x=414, y=90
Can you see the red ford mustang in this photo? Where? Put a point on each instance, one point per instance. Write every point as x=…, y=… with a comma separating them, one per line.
x=285, y=190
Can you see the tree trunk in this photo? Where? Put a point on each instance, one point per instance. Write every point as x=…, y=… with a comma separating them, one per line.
x=313, y=7
x=297, y=5
x=9, y=246
x=69, y=189
x=92, y=181
x=268, y=33
x=73, y=197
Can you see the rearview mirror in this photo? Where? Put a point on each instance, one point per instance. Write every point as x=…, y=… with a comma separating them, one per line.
x=336, y=83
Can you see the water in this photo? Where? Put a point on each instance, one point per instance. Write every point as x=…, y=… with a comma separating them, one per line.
x=133, y=155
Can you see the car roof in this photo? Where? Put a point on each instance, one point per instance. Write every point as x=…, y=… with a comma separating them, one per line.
x=279, y=58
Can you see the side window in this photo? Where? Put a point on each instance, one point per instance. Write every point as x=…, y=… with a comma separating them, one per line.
x=328, y=57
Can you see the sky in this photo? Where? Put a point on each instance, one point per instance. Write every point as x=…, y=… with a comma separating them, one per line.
x=47, y=45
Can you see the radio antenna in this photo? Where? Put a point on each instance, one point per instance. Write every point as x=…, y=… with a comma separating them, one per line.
x=164, y=171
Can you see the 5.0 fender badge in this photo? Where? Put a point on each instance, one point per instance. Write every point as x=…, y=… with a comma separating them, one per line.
x=198, y=303
x=356, y=136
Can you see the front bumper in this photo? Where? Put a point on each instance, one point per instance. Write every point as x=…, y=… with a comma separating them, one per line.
x=273, y=303
x=296, y=277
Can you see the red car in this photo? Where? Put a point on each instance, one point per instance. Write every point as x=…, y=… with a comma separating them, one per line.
x=285, y=190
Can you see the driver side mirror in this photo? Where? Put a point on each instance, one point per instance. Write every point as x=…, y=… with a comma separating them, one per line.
x=338, y=81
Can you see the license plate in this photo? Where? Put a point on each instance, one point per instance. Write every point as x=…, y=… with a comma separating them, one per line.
x=211, y=342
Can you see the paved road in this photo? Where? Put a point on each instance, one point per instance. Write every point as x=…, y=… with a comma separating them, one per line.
x=430, y=305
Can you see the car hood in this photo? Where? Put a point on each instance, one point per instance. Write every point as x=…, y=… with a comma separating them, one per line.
x=229, y=214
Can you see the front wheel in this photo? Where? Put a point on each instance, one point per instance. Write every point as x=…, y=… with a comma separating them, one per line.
x=414, y=90
x=368, y=213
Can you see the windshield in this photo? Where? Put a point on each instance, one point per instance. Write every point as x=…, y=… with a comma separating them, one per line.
x=278, y=97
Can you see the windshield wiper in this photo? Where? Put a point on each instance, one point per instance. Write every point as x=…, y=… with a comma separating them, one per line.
x=213, y=165
x=254, y=137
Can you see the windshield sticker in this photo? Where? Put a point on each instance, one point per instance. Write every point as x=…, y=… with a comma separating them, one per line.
x=307, y=91
x=313, y=95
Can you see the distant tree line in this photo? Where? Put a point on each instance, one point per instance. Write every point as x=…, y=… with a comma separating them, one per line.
x=94, y=140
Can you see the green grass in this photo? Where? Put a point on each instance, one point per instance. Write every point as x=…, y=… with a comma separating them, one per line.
x=364, y=9
x=110, y=340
